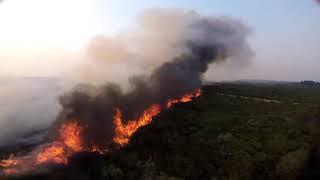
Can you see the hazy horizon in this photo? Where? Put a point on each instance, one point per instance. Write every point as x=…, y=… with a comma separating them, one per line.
x=46, y=44
x=97, y=89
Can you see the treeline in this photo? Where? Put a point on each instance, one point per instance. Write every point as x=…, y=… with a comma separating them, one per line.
x=217, y=137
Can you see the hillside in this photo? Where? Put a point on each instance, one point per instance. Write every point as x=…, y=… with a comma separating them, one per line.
x=230, y=132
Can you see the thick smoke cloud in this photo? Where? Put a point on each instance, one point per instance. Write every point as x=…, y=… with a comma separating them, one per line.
x=172, y=49
x=159, y=36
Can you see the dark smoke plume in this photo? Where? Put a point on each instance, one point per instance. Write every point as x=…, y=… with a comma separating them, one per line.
x=191, y=42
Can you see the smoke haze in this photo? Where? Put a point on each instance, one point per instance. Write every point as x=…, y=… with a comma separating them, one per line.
x=26, y=104
x=159, y=36
x=164, y=57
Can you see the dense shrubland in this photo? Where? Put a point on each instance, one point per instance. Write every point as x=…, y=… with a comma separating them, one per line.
x=219, y=137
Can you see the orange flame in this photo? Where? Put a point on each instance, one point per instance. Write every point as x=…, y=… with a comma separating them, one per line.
x=123, y=132
x=186, y=98
x=70, y=135
x=9, y=162
x=57, y=152
x=70, y=142
x=54, y=153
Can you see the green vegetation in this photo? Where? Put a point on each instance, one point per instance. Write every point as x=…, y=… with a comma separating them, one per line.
x=303, y=92
x=231, y=132
x=221, y=137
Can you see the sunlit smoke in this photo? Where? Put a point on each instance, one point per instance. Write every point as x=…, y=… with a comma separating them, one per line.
x=175, y=48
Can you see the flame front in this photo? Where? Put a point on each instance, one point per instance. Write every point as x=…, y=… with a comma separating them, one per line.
x=56, y=152
x=186, y=98
x=69, y=141
x=59, y=152
x=123, y=132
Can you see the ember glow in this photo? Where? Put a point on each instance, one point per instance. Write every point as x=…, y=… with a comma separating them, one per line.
x=70, y=142
x=9, y=162
x=97, y=149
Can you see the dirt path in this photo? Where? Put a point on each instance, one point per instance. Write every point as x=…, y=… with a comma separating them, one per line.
x=251, y=98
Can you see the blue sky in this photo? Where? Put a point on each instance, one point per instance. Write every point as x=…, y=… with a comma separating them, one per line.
x=285, y=38
x=285, y=32
x=261, y=14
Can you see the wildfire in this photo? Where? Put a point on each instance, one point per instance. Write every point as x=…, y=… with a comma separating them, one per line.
x=123, y=132
x=186, y=98
x=59, y=152
x=56, y=152
x=69, y=141
x=70, y=135
x=9, y=162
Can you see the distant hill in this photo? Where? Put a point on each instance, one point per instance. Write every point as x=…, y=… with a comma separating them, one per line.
x=310, y=83
x=251, y=81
